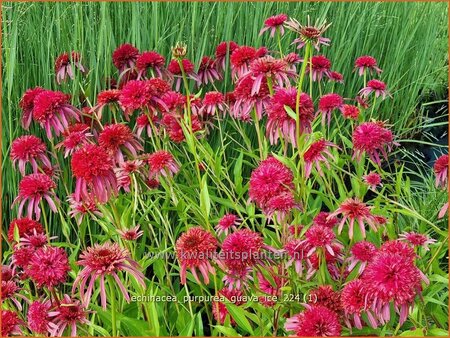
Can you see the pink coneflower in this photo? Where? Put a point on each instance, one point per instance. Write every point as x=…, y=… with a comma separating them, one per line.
x=354, y=210
x=153, y=62
x=27, y=105
x=10, y=290
x=219, y=309
x=174, y=101
x=7, y=272
x=324, y=295
x=207, y=72
x=417, y=240
x=21, y=256
x=308, y=34
x=362, y=253
x=350, y=112
x=373, y=180
x=143, y=123
x=315, y=321
x=131, y=234
x=195, y=248
x=226, y=223
x=399, y=247
x=25, y=226
x=327, y=104
x=38, y=317
x=29, y=149
x=172, y=125
x=75, y=137
x=292, y=59
x=124, y=57
x=117, y=139
x=317, y=153
x=323, y=219
x=297, y=251
x=48, y=267
x=124, y=172
x=372, y=138
x=162, y=163
x=281, y=205
x=295, y=229
x=102, y=260
x=32, y=190
x=314, y=261
x=271, y=288
x=92, y=167
x=52, y=110
x=245, y=101
x=63, y=66
x=83, y=207
x=188, y=70
x=321, y=237
x=319, y=66
x=274, y=24
x=354, y=302
x=392, y=278
x=366, y=62
x=106, y=98
x=375, y=86
x=222, y=50
x=274, y=70
x=10, y=323
x=441, y=170
x=270, y=179
x=240, y=60
x=237, y=278
x=280, y=122
x=213, y=102
x=443, y=211
x=336, y=77
x=69, y=313
x=35, y=240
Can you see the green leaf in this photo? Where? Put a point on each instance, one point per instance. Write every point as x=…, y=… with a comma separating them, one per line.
x=412, y=333
x=239, y=316
x=290, y=112
x=227, y=331
x=205, y=203
x=437, y=332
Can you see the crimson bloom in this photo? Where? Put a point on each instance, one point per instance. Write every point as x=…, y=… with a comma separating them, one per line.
x=315, y=321
x=75, y=137
x=226, y=223
x=222, y=50
x=82, y=207
x=172, y=125
x=106, y=98
x=297, y=251
x=375, y=86
x=38, y=317
x=319, y=66
x=195, y=248
x=10, y=323
x=124, y=57
x=321, y=237
x=29, y=149
x=153, y=62
x=131, y=234
x=188, y=69
x=354, y=302
x=207, y=71
x=245, y=101
x=32, y=190
x=162, y=163
x=219, y=308
x=117, y=139
x=417, y=240
x=27, y=105
x=52, y=110
x=281, y=205
x=373, y=180
x=350, y=112
x=336, y=77
x=240, y=60
x=316, y=154
x=102, y=260
x=323, y=219
x=362, y=253
x=63, y=66
x=308, y=33
x=327, y=104
x=366, y=63
x=143, y=123
x=325, y=295
x=274, y=23
x=441, y=170
x=69, y=313
x=25, y=226
x=213, y=102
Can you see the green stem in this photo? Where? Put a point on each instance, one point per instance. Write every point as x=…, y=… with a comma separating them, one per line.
x=299, y=91
x=279, y=42
x=258, y=134
x=113, y=306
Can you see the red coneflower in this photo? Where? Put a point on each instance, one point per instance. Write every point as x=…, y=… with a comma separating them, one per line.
x=308, y=34
x=48, y=266
x=124, y=57
x=271, y=288
x=143, y=123
x=21, y=256
x=207, y=71
x=25, y=226
x=86, y=206
x=297, y=251
x=75, y=137
x=10, y=323
x=36, y=239
x=63, y=66
x=323, y=219
x=219, y=309
x=314, y=261
x=153, y=62
x=102, y=260
x=375, y=86
x=195, y=248
x=274, y=23
x=350, y=112
x=69, y=313
x=52, y=110
x=29, y=149
x=372, y=138
x=131, y=234
x=336, y=77
x=106, y=98
x=124, y=172
x=321, y=237
x=162, y=163
x=226, y=223
x=10, y=290
x=366, y=62
x=354, y=210
x=240, y=60
x=295, y=229
x=280, y=122
x=373, y=180
x=362, y=253
x=417, y=240
x=213, y=102
x=327, y=104
x=316, y=154
x=399, y=248
x=188, y=70
x=292, y=59
x=27, y=105
x=324, y=295
x=315, y=321
x=237, y=279
x=441, y=170
x=172, y=125
x=118, y=138
x=92, y=167
x=38, y=317
x=354, y=302
x=32, y=189
x=319, y=66
x=222, y=50
x=270, y=179
x=280, y=205
x=245, y=101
